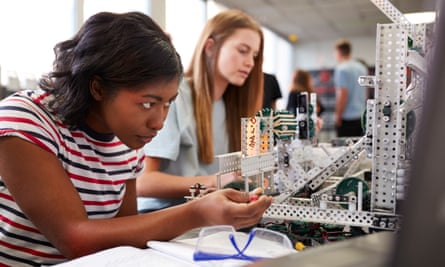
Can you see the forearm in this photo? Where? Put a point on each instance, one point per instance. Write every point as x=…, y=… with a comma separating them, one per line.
x=340, y=102
x=90, y=236
x=339, y=109
x=163, y=185
x=274, y=105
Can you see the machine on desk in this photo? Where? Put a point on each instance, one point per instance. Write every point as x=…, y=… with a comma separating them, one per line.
x=319, y=184
x=419, y=241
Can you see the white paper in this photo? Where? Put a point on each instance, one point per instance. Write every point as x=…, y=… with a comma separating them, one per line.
x=126, y=256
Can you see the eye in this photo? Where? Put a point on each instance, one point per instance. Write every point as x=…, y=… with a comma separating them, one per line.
x=148, y=105
x=169, y=103
x=243, y=51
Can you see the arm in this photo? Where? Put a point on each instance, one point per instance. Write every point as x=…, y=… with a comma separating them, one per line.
x=276, y=93
x=272, y=87
x=292, y=102
x=31, y=175
x=153, y=183
x=129, y=204
x=274, y=104
x=340, y=104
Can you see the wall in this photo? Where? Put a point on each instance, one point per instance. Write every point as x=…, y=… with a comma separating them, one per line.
x=278, y=60
x=319, y=55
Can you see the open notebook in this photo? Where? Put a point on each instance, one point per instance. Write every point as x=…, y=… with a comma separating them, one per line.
x=175, y=253
x=124, y=256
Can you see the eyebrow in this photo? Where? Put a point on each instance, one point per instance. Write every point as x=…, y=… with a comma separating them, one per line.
x=173, y=98
x=158, y=98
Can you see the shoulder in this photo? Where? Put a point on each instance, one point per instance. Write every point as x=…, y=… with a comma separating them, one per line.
x=344, y=69
x=26, y=115
x=28, y=103
x=184, y=93
x=342, y=66
x=181, y=110
x=269, y=78
x=183, y=103
x=294, y=93
x=360, y=66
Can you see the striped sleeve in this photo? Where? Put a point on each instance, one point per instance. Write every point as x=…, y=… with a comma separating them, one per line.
x=21, y=117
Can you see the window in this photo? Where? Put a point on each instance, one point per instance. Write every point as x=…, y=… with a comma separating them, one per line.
x=183, y=26
x=278, y=60
x=29, y=30
x=92, y=7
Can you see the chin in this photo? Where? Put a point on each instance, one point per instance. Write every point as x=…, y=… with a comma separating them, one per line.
x=239, y=83
x=134, y=145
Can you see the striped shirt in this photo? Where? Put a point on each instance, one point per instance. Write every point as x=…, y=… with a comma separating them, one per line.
x=98, y=166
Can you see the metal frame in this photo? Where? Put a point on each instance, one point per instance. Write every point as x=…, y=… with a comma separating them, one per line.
x=389, y=135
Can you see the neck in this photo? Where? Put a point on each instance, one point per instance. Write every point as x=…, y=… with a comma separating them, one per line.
x=345, y=58
x=219, y=87
x=95, y=121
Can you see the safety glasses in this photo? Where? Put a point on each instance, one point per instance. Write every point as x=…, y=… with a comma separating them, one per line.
x=223, y=242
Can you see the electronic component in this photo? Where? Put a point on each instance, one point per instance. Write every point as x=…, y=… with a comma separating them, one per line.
x=277, y=152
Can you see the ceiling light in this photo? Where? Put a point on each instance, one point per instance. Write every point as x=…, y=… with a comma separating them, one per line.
x=292, y=37
x=421, y=17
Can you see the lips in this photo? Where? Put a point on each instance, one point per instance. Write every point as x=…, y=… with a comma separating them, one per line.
x=244, y=73
x=147, y=138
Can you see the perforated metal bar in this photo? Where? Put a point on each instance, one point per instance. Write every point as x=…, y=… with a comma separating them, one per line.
x=389, y=124
x=257, y=164
x=341, y=161
x=335, y=216
x=393, y=14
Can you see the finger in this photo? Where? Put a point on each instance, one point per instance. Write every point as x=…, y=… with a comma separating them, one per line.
x=242, y=197
x=246, y=221
x=211, y=189
x=236, y=196
x=255, y=194
x=249, y=219
x=257, y=191
x=261, y=204
x=252, y=209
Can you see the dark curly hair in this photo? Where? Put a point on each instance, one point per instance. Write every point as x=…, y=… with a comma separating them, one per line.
x=122, y=50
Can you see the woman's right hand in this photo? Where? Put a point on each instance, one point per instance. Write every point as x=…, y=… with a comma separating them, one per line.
x=232, y=207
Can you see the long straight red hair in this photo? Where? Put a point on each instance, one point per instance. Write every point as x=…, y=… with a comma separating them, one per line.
x=240, y=101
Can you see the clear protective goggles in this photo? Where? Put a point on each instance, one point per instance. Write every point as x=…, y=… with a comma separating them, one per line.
x=224, y=242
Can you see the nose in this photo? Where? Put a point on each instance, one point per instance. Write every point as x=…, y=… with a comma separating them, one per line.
x=156, y=120
x=157, y=123
x=250, y=61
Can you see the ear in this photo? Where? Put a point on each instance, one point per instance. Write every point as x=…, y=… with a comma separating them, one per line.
x=209, y=47
x=96, y=89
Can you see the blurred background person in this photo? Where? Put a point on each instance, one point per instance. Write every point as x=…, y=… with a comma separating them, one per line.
x=272, y=91
x=370, y=70
x=350, y=99
x=301, y=82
